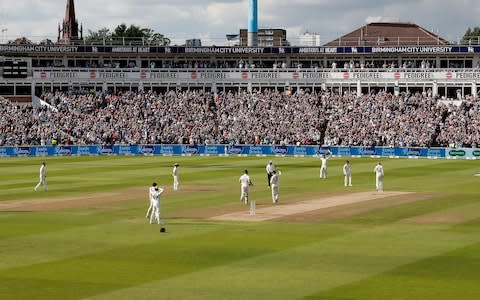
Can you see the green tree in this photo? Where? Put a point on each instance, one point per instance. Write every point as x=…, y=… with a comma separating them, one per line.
x=99, y=37
x=123, y=34
x=138, y=35
x=158, y=39
x=471, y=36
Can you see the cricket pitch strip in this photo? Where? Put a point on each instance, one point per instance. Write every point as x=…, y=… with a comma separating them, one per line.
x=284, y=210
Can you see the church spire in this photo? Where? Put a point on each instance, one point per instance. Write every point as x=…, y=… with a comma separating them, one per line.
x=69, y=31
x=70, y=11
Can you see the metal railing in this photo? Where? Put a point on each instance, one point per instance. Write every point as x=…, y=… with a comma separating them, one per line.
x=292, y=41
x=255, y=70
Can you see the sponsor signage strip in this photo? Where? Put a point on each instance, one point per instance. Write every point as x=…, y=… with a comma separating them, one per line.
x=126, y=150
x=236, y=50
x=257, y=76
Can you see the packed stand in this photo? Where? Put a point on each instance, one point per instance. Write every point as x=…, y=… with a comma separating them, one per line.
x=268, y=117
x=462, y=125
x=383, y=120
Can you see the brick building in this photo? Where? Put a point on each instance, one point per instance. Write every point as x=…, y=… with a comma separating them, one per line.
x=266, y=38
x=388, y=34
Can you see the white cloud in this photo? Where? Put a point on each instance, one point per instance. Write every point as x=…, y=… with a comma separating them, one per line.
x=377, y=19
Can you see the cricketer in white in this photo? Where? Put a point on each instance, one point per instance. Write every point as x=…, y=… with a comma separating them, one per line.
x=323, y=169
x=176, y=183
x=43, y=178
x=245, y=183
x=347, y=172
x=151, y=190
x=156, y=204
x=274, y=183
x=379, y=177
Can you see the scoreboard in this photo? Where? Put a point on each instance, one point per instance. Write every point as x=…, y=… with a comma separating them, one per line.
x=15, y=69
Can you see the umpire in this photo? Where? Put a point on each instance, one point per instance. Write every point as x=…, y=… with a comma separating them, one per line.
x=270, y=169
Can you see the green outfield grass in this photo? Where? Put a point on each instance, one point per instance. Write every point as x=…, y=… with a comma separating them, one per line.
x=111, y=252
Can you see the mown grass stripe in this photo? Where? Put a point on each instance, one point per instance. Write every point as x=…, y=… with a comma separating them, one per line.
x=300, y=271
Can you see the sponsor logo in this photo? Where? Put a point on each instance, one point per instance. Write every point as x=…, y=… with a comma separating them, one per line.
x=42, y=151
x=256, y=150
x=190, y=150
x=413, y=152
x=344, y=151
x=166, y=150
x=367, y=151
x=235, y=150
x=324, y=151
x=213, y=150
x=23, y=151
x=435, y=152
x=279, y=150
x=147, y=150
x=106, y=150
x=63, y=150
x=300, y=151
x=460, y=153
x=3, y=152
x=125, y=150
x=83, y=150
x=388, y=151
x=475, y=153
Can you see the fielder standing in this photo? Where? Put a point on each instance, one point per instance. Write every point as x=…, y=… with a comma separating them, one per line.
x=379, y=177
x=245, y=183
x=323, y=169
x=270, y=168
x=151, y=190
x=157, y=191
x=176, y=183
x=274, y=183
x=43, y=178
x=347, y=172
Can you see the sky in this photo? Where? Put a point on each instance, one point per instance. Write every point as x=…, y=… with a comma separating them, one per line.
x=210, y=21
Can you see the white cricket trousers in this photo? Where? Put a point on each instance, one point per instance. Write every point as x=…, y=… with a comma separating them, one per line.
x=275, y=193
x=244, y=193
x=379, y=183
x=150, y=209
x=43, y=181
x=156, y=212
x=348, y=180
x=323, y=172
x=176, y=183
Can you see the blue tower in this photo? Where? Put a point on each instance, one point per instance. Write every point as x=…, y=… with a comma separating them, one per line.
x=253, y=23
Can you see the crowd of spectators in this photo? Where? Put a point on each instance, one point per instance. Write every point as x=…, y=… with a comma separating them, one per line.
x=462, y=125
x=330, y=65
x=384, y=119
x=268, y=117
x=24, y=124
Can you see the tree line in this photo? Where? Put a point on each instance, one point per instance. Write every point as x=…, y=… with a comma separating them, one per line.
x=471, y=36
x=133, y=34
x=123, y=34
